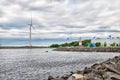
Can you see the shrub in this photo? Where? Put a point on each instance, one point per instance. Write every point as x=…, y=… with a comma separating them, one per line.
x=113, y=44
x=98, y=44
x=105, y=44
x=54, y=45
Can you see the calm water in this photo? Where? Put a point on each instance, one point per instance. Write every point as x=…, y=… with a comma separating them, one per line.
x=37, y=64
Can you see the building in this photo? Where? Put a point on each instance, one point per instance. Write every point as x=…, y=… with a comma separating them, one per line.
x=107, y=41
x=80, y=42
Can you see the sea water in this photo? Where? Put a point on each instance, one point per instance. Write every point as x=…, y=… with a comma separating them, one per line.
x=38, y=64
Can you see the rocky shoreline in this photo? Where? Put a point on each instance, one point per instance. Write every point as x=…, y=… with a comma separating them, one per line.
x=85, y=49
x=107, y=70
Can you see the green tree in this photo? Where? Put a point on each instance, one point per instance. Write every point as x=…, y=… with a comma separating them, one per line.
x=54, y=45
x=105, y=44
x=98, y=44
x=74, y=43
x=85, y=42
x=117, y=44
x=113, y=44
x=64, y=45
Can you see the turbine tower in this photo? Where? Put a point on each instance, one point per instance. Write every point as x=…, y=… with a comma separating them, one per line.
x=30, y=28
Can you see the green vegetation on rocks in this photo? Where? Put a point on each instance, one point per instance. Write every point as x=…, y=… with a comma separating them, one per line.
x=74, y=43
x=98, y=44
x=105, y=44
x=85, y=42
x=113, y=44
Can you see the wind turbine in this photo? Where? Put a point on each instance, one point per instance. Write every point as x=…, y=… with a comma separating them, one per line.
x=30, y=28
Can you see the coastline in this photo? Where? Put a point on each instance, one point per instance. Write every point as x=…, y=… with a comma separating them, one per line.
x=107, y=70
x=85, y=49
x=22, y=47
x=72, y=49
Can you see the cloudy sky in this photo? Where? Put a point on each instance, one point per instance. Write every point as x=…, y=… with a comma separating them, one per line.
x=59, y=18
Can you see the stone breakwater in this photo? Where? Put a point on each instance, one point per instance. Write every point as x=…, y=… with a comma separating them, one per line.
x=107, y=70
x=84, y=49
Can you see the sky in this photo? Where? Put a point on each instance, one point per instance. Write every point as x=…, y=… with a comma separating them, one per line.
x=55, y=19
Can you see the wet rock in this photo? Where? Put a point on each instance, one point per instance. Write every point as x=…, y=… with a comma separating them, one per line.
x=76, y=77
x=79, y=72
x=94, y=65
x=87, y=70
x=65, y=77
x=57, y=78
x=112, y=76
x=112, y=69
x=50, y=78
x=108, y=70
x=71, y=73
x=91, y=79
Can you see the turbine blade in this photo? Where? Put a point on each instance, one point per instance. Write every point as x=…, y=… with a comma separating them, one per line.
x=33, y=27
x=31, y=18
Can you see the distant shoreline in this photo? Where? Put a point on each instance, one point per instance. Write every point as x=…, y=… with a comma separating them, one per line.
x=73, y=49
x=22, y=47
x=85, y=49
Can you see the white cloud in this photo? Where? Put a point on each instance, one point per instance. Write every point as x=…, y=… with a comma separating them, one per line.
x=58, y=18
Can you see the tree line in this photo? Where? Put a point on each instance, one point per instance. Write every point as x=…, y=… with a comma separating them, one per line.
x=84, y=44
x=74, y=43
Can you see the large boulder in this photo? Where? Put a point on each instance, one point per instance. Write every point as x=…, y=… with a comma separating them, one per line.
x=76, y=77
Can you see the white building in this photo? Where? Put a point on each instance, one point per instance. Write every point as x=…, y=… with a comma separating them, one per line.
x=80, y=42
x=108, y=41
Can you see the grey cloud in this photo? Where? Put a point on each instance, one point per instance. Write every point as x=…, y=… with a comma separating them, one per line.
x=22, y=3
x=7, y=2
x=77, y=1
x=87, y=31
x=1, y=13
x=24, y=32
x=74, y=26
x=67, y=14
x=1, y=25
x=3, y=31
x=45, y=9
x=55, y=0
x=103, y=30
x=18, y=24
x=103, y=27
